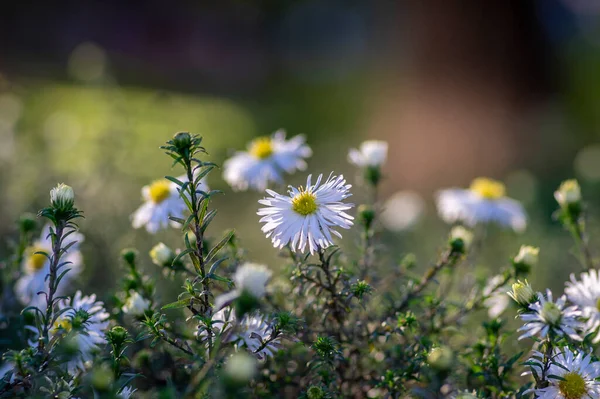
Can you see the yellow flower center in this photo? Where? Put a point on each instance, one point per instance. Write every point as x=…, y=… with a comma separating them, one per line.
x=551, y=313
x=160, y=190
x=304, y=203
x=62, y=323
x=261, y=148
x=573, y=386
x=488, y=188
x=35, y=261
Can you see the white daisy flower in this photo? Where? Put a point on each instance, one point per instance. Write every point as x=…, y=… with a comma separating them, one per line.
x=135, y=305
x=249, y=277
x=371, y=153
x=484, y=201
x=546, y=316
x=307, y=216
x=36, y=267
x=586, y=295
x=253, y=332
x=571, y=376
x=265, y=161
x=88, y=341
x=496, y=299
x=161, y=200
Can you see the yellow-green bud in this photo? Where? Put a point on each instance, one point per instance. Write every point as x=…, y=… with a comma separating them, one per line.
x=366, y=214
x=315, y=392
x=460, y=239
x=162, y=255
x=522, y=293
x=527, y=256
x=568, y=193
x=182, y=140
x=441, y=358
x=62, y=197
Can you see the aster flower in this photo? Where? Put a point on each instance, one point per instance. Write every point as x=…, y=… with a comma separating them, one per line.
x=161, y=200
x=250, y=278
x=307, y=216
x=265, y=161
x=253, y=332
x=570, y=376
x=586, y=295
x=135, y=304
x=371, y=153
x=89, y=339
x=547, y=315
x=496, y=299
x=484, y=201
x=36, y=267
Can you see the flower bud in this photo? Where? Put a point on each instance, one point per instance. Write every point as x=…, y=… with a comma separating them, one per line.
x=526, y=259
x=62, y=197
x=162, y=255
x=568, y=193
x=182, y=140
x=129, y=255
x=27, y=222
x=460, y=239
x=441, y=358
x=366, y=215
x=117, y=336
x=522, y=293
x=315, y=392
x=136, y=305
x=240, y=368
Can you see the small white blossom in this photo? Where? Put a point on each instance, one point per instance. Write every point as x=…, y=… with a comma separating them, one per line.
x=527, y=255
x=496, y=299
x=251, y=278
x=253, y=332
x=36, y=267
x=307, y=216
x=546, y=316
x=586, y=295
x=483, y=202
x=371, y=153
x=265, y=161
x=568, y=193
x=162, y=255
x=135, y=304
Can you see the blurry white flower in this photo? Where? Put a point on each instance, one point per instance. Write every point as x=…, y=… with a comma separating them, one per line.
x=402, y=210
x=441, y=358
x=465, y=235
x=308, y=215
x=161, y=200
x=62, y=197
x=568, y=193
x=253, y=332
x=251, y=278
x=370, y=153
x=162, y=255
x=483, y=202
x=571, y=376
x=496, y=299
x=221, y=323
x=527, y=255
x=522, y=293
x=547, y=315
x=126, y=392
x=265, y=161
x=36, y=266
x=240, y=367
x=135, y=304
x=91, y=338
x=586, y=295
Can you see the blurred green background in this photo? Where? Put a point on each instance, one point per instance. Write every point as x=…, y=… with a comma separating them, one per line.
x=511, y=90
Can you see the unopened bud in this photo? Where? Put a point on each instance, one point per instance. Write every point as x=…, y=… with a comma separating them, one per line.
x=62, y=197
x=526, y=258
x=522, y=293
x=568, y=193
x=27, y=222
x=182, y=140
x=366, y=214
x=162, y=255
x=460, y=239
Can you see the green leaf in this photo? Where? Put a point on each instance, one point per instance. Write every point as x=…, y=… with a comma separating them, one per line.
x=174, y=180
x=182, y=303
x=219, y=246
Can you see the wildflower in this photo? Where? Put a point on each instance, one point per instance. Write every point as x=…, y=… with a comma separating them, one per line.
x=571, y=376
x=495, y=296
x=89, y=335
x=307, y=216
x=547, y=315
x=568, y=193
x=135, y=304
x=483, y=202
x=586, y=295
x=522, y=293
x=62, y=197
x=249, y=278
x=162, y=255
x=161, y=200
x=371, y=153
x=253, y=333
x=36, y=267
x=265, y=161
